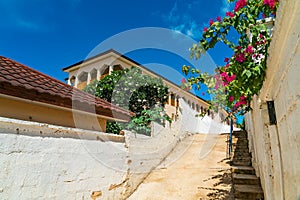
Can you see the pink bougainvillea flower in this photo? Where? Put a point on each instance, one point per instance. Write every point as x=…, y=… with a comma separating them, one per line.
x=224, y=83
x=270, y=3
x=231, y=99
x=226, y=60
x=217, y=85
x=240, y=57
x=183, y=80
x=226, y=66
x=240, y=4
x=219, y=19
x=229, y=14
x=239, y=47
x=242, y=98
x=263, y=15
x=231, y=78
x=211, y=21
x=261, y=36
x=249, y=49
x=205, y=29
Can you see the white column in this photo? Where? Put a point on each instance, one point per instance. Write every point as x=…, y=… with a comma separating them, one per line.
x=69, y=81
x=88, y=78
x=169, y=102
x=76, y=81
x=110, y=69
x=98, y=74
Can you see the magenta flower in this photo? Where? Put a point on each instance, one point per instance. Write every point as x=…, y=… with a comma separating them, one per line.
x=263, y=15
x=249, y=49
x=231, y=99
x=229, y=14
x=242, y=98
x=240, y=57
x=205, y=29
x=226, y=60
x=183, y=80
x=240, y=4
x=219, y=19
x=203, y=93
x=270, y=3
x=239, y=47
x=211, y=21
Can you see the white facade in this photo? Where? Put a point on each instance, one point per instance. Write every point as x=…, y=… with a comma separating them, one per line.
x=276, y=148
x=84, y=73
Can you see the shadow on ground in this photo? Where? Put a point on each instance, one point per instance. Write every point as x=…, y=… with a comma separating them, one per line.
x=224, y=179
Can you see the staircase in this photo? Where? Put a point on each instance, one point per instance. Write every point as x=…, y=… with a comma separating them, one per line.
x=246, y=184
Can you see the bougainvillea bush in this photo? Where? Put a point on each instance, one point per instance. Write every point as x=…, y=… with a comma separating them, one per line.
x=234, y=84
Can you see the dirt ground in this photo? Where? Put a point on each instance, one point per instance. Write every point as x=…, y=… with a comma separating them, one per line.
x=197, y=169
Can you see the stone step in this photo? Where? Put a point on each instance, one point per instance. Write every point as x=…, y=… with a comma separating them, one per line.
x=242, y=170
x=242, y=163
x=241, y=151
x=244, y=179
x=240, y=158
x=241, y=154
x=248, y=192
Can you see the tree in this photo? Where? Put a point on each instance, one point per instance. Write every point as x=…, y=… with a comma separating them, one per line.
x=130, y=89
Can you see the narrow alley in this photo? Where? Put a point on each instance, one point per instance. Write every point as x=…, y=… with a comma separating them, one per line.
x=186, y=175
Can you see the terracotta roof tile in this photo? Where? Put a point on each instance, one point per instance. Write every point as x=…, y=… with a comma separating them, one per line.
x=23, y=78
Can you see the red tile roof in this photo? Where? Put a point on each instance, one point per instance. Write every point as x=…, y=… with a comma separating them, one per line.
x=21, y=81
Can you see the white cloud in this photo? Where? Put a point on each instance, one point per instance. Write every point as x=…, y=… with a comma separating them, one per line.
x=28, y=24
x=181, y=21
x=225, y=7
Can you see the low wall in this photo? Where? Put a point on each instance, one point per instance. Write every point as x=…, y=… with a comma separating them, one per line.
x=205, y=125
x=40, y=161
x=275, y=148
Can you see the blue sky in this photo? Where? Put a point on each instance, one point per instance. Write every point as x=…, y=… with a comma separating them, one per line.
x=48, y=35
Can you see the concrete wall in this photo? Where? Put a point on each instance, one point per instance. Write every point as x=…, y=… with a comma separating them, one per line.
x=276, y=148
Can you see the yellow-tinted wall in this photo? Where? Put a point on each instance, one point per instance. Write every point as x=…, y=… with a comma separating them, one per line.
x=31, y=111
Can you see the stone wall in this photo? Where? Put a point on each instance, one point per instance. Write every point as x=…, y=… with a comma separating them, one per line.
x=276, y=148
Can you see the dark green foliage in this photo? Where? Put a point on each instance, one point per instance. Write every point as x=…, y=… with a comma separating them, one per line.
x=141, y=94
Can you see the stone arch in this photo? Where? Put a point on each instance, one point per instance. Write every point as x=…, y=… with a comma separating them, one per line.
x=72, y=81
x=197, y=108
x=93, y=74
x=104, y=71
x=82, y=80
x=117, y=67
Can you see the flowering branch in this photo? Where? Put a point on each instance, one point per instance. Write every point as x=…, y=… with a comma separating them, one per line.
x=243, y=74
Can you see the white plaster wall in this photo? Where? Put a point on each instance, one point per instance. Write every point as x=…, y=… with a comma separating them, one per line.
x=40, y=161
x=204, y=124
x=276, y=148
x=42, y=167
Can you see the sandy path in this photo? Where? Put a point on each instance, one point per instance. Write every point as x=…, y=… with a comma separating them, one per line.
x=186, y=176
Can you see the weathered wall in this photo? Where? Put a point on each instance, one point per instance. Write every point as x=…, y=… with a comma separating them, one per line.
x=40, y=161
x=276, y=148
x=47, y=162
